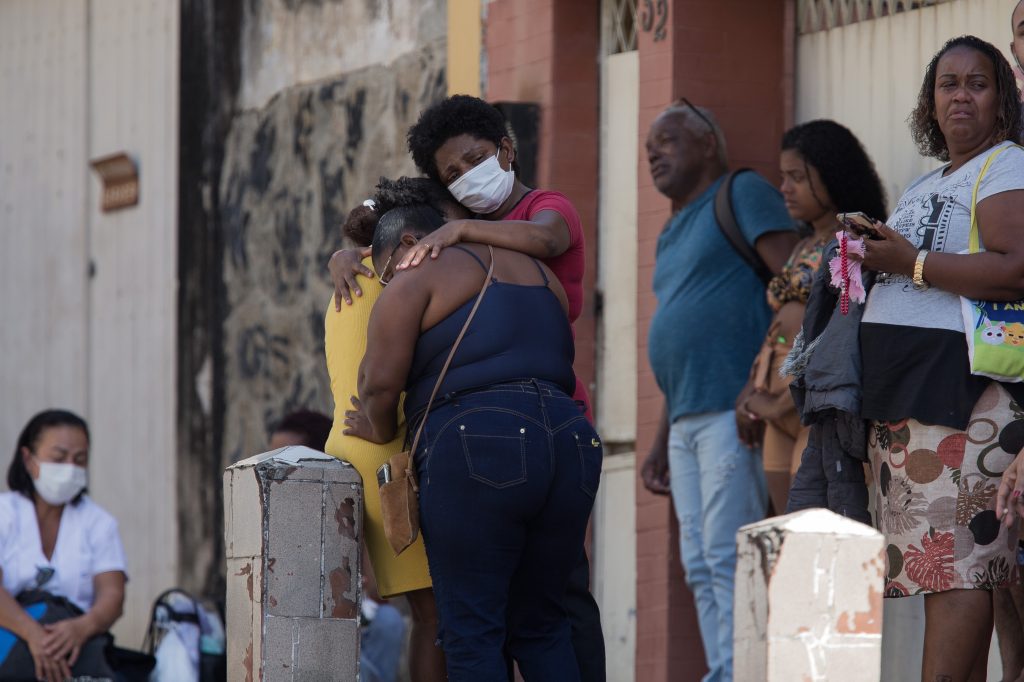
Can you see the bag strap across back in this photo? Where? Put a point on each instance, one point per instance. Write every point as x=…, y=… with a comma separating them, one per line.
x=726, y=219
x=451, y=353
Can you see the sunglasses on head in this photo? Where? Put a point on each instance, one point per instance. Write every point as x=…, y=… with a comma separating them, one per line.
x=384, y=270
x=686, y=102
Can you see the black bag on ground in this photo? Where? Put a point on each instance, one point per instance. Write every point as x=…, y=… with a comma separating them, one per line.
x=95, y=660
x=177, y=607
x=130, y=665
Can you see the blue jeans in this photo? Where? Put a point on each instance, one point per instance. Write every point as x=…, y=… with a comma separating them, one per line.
x=585, y=619
x=507, y=482
x=380, y=646
x=718, y=485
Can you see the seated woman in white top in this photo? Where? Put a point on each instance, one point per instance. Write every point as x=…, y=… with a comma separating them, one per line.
x=54, y=539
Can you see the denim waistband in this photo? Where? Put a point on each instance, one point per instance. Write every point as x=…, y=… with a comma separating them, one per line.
x=534, y=386
x=529, y=386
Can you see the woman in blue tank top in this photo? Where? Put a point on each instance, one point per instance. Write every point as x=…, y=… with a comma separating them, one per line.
x=508, y=465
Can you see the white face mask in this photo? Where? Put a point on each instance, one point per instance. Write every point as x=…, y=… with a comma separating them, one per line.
x=59, y=483
x=485, y=187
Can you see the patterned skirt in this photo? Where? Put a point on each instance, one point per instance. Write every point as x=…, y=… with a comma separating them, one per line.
x=935, y=499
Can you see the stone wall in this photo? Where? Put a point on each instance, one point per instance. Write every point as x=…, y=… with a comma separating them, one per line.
x=290, y=111
x=292, y=170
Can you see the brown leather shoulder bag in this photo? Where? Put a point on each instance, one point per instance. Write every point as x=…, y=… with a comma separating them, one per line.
x=397, y=477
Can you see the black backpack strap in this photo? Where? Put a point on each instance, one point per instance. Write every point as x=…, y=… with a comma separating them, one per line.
x=726, y=219
x=149, y=643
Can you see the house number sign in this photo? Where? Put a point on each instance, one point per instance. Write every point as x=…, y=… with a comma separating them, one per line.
x=654, y=15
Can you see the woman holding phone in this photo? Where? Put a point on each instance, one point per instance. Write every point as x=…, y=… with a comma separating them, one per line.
x=941, y=436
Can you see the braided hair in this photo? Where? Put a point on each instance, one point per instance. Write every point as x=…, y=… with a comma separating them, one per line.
x=405, y=191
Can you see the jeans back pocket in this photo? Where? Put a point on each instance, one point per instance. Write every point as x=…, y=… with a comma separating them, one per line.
x=591, y=453
x=498, y=461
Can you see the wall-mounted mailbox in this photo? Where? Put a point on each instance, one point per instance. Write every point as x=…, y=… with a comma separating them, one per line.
x=120, y=178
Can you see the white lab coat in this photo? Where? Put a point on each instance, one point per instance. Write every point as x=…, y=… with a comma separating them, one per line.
x=88, y=543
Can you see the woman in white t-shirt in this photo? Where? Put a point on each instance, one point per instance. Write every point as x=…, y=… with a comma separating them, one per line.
x=941, y=436
x=54, y=538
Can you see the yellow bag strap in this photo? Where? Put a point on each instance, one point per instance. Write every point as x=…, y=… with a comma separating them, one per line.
x=974, y=241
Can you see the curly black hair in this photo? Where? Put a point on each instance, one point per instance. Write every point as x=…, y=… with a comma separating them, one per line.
x=845, y=168
x=451, y=117
x=405, y=191
x=925, y=128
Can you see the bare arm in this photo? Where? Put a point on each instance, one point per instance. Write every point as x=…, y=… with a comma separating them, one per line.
x=655, y=472
x=16, y=620
x=64, y=639
x=545, y=236
x=1009, y=502
x=775, y=248
x=108, y=604
x=996, y=275
x=390, y=342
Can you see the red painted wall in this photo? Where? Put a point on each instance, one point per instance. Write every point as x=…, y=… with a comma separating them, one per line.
x=733, y=56
x=546, y=51
x=727, y=55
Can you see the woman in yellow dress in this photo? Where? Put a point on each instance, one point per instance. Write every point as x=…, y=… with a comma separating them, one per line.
x=345, y=344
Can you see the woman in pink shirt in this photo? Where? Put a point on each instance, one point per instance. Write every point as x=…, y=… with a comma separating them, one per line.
x=463, y=143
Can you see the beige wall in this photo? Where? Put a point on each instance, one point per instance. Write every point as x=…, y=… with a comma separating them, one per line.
x=465, y=37
x=287, y=43
x=866, y=75
x=81, y=80
x=43, y=181
x=613, y=558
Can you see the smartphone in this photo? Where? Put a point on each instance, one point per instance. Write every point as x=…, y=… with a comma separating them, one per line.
x=859, y=223
x=384, y=474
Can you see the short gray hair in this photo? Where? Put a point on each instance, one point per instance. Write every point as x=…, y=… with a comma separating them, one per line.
x=692, y=122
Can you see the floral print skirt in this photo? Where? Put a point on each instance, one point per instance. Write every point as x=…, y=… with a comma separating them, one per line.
x=935, y=499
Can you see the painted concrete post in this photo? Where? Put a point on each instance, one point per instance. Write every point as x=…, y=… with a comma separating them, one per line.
x=809, y=600
x=292, y=527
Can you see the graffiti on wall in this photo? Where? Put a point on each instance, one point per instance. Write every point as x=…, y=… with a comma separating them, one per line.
x=292, y=170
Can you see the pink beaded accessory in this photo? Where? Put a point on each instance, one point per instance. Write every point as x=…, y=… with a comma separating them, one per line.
x=846, y=272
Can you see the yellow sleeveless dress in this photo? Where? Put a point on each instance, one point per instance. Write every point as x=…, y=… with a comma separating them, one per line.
x=345, y=344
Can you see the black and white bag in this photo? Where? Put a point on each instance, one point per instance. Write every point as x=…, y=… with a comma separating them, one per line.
x=187, y=640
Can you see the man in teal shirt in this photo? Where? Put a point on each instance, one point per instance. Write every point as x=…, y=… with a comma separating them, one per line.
x=711, y=318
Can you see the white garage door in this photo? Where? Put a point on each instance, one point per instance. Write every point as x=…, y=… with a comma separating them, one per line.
x=80, y=80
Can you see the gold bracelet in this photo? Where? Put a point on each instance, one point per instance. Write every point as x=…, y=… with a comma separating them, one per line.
x=919, y=282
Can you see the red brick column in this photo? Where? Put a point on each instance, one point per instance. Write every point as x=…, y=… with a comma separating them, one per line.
x=546, y=52
x=726, y=55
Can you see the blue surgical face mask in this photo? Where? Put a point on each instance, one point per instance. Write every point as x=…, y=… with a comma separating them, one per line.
x=485, y=187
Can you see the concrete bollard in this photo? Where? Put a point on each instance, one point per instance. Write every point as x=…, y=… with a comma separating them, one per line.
x=808, y=600
x=292, y=530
